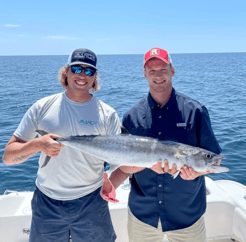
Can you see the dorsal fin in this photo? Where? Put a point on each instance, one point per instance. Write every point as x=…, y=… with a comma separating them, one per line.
x=124, y=130
x=41, y=132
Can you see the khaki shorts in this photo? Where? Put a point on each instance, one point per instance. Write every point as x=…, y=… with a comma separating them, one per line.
x=141, y=232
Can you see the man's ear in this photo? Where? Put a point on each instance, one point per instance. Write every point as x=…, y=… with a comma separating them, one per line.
x=144, y=71
x=173, y=71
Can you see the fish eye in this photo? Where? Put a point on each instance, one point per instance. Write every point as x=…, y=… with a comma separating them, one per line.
x=208, y=156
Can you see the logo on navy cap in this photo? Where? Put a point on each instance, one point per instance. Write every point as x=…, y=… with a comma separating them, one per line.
x=84, y=55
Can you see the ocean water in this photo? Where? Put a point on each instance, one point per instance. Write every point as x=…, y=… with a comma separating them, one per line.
x=216, y=80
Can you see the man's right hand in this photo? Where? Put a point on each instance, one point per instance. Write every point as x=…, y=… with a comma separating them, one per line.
x=159, y=169
x=49, y=146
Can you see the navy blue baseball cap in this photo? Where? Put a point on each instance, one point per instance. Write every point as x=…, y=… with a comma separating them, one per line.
x=82, y=56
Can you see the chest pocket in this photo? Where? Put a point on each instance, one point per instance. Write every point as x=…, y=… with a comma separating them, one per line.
x=183, y=133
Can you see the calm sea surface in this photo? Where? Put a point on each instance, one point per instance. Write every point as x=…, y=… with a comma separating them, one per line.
x=216, y=80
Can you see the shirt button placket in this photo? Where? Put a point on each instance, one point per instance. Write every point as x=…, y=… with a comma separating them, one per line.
x=160, y=189
x=159, y=133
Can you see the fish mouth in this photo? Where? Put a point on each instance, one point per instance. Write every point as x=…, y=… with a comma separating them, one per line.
x=217, y=159
x=215, y=167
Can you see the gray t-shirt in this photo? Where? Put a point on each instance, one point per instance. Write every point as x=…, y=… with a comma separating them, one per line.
x=72, y=174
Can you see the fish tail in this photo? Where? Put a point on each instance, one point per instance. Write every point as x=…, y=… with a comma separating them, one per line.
x=46, y=161
x=47, y=158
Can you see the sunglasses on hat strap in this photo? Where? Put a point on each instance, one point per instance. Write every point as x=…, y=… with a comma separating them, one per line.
x=89, y=71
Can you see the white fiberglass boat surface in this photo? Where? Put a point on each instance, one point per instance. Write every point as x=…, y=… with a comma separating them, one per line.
x=225, y=216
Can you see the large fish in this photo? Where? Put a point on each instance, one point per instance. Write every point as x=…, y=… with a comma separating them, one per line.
x=132, y=150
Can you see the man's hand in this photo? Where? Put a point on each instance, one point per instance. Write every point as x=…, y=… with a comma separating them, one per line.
x=187, y=173
x=108, y=191
x=161, y=170
x=49, y=146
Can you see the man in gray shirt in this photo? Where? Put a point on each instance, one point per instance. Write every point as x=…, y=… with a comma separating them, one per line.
x=67, y=199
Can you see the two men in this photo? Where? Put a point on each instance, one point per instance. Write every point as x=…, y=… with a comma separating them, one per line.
x=158, y=203
x=67, y=199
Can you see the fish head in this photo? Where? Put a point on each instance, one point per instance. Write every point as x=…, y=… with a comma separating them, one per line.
x=209, y=158
x=204, y=160
x=214, y=164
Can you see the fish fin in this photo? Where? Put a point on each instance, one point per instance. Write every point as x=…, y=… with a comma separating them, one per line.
x=124, y=130
x=180, y=151
x=47, y=158
x=175, y=174
x=46, y=161
x=41, y=132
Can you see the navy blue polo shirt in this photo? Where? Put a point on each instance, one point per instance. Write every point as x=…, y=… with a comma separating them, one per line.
x=178, y=203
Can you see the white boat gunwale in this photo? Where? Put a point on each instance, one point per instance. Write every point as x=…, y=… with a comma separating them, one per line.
x=225, y=217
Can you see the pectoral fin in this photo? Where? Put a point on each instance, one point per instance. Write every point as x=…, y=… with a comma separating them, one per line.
x=179, y=153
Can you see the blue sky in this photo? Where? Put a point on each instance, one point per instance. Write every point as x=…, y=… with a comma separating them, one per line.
x=121, y=27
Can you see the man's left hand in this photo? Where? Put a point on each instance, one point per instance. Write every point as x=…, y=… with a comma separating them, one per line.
x=108, y=191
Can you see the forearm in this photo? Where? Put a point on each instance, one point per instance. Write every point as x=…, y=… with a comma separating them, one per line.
x=131, y=169
x=117, y=177
x=19, y=151
x=122, y=173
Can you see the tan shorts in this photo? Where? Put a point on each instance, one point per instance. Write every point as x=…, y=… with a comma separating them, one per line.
x=141, y=232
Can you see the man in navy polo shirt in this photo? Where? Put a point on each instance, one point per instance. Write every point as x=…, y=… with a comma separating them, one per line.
x=159, y=204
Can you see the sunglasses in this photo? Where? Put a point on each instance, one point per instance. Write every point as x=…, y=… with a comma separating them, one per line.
x=89, y=71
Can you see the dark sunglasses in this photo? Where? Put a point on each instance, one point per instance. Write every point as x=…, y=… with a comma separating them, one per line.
x=89, y=71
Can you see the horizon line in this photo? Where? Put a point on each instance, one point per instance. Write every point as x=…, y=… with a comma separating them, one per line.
x=132, y=54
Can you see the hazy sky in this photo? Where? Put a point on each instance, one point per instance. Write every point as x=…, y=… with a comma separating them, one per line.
x=29, y=27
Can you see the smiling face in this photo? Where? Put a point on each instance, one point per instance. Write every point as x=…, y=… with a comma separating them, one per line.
x=79, y=85
x=159, y=75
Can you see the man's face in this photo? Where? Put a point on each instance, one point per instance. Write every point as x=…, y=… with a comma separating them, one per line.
x=159, y=75
x=78, y=83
